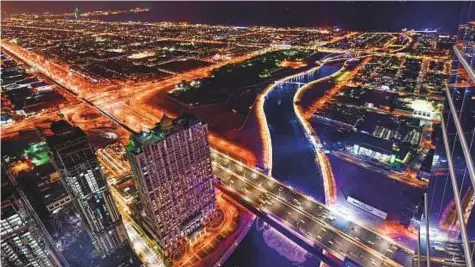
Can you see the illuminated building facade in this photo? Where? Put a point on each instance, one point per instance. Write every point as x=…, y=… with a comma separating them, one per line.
x=451, y=190
x=24, y=239
x=83, y=179
x=172, y=167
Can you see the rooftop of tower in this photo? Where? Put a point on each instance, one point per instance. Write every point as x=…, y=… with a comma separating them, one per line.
x=162, y=129
x=63, y=133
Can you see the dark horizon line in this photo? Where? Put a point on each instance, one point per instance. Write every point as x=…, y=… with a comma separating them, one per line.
x=94, y=18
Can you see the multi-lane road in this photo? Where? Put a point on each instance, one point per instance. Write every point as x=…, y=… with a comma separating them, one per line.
x=315, y=223
x=142, y=245
x=148, y=256
x=300, y=213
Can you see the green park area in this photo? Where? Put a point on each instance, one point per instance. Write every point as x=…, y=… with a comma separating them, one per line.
x=242, y=78
x=342, y=76
x=38, y=153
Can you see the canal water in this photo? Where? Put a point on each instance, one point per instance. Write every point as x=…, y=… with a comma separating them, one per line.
x=265, y=246
x=292, y=154
x=294, y=164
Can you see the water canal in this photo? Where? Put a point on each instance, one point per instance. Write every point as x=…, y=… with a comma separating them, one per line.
x=293, y=160
x=293, y=156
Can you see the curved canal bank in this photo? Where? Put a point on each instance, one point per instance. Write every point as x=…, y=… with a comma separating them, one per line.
x=291, y=160
x=265, y=246
x=293, y=155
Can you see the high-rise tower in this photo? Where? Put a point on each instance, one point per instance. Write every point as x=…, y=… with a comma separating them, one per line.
x=24, y=239
x=84, y=181
x=172, y=167
x=77, y=14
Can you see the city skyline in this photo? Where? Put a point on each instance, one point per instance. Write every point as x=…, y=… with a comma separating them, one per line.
x=199, y=134
x=445, y=15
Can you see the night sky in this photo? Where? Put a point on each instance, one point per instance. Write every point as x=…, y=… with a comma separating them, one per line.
x=349, y=15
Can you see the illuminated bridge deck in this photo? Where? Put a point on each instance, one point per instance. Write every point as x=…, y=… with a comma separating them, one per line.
x=313, y=222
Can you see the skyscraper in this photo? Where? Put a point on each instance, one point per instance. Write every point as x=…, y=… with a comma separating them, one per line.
x=83, y=179
x=451, y=190
x=76, y=13
x=24, y=239
x=172, y=167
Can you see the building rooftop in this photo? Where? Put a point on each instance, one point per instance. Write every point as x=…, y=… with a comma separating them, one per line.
x=63, y=132
x=164, y=128
x=38, y=153
x=53, y=191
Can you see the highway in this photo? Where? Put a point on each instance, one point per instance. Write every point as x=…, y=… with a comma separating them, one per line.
x=139, y=241
x=312, y=220
x=124, y=99
x=142, y=249
x=115, y=166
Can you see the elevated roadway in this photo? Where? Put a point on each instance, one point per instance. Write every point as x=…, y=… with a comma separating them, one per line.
x=312, y=221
